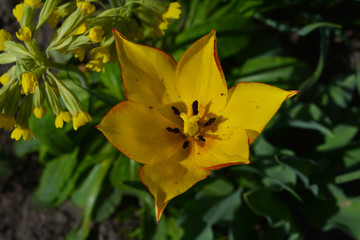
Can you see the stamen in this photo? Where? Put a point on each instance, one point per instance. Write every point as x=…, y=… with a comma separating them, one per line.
x=201, y=138
x=173, y=130
x=209, y=122
x=195, y=107
x=186, y=144
x=176, y=111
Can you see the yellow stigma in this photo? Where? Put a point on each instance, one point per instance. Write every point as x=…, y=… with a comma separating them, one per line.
x=191, y=127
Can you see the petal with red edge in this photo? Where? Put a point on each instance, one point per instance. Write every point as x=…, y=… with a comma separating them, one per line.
x=148, y=73
x=140, y=132
x=252, y=105
x=199, y=76
x=168, y=179
x=225, y=144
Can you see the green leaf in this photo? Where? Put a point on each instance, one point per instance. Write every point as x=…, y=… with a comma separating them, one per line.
x=227, y=44
x=284, y=72
x=324, y=46
x=347, y=177
x=112, y=79
x=312, y=125
x=55, y=140
x=313, y=26
x=46, y=11
x=56, y=174
x=202, y=213
x=86, y=196
x=107, y=202
x=343, y=134
x=6, y=58
x=347, y=217
x=268, y=204
x=124, y=169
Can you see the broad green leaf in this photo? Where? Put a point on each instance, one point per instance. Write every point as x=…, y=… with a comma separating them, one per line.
x=124, y=169
x=227, y=44
x=208, y=211
x=6, y=58
x=56, y=174
x=112, y=79
x=284, y=72
x=343, y=134
x=347, y=217
x=270, y=205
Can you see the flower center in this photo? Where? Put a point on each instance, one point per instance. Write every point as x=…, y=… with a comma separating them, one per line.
x=191, y=127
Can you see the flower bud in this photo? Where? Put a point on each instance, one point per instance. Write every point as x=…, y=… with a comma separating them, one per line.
x=7, y=122
x=18, y=11
x=28, y=82
x=63, y=116
x=95, y=65
x=4, y=37
x=24, y=34
x=4, y=79
x=25, y=132
x=81, y=119
x=36, y=4
x=96, y=34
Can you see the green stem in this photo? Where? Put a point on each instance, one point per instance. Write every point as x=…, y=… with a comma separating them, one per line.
x=72, y=69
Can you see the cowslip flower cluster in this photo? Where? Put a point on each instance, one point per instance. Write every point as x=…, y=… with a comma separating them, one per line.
x=31, y=85
x=180, y=120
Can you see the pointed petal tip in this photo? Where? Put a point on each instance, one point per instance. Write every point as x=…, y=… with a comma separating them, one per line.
x=292, y=93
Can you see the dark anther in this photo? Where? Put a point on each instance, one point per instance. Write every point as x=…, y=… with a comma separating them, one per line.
x=173, y=130
x=176, y=111
x=201, y=138
x=195, y=107
x=186, y=144
x=209, y=122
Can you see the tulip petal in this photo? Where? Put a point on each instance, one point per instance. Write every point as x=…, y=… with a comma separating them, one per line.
x=227, y=145
x=252, y=105
x=168, y=179
x=199, y=76
x=148, y=73
x=140, y=132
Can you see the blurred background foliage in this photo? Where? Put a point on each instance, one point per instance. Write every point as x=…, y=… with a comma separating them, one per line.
x=303, y=182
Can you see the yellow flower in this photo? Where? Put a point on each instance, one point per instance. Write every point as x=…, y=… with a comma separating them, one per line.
x=180, y=120
x=7, y=122
x=63, y=116
x=34, y=3
x=24, y=34
x=79, y=53
x=4, y=36
x=18, y=11
x=96, y=34
x=87, y=7
x=28, y=82
x=4, y=79
x=100, y=53
x=173, y=12
x=95, y=65
x=54, y=19
x=81, y=119
x=81, y=29
x=24, y=132
x=39, y=112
